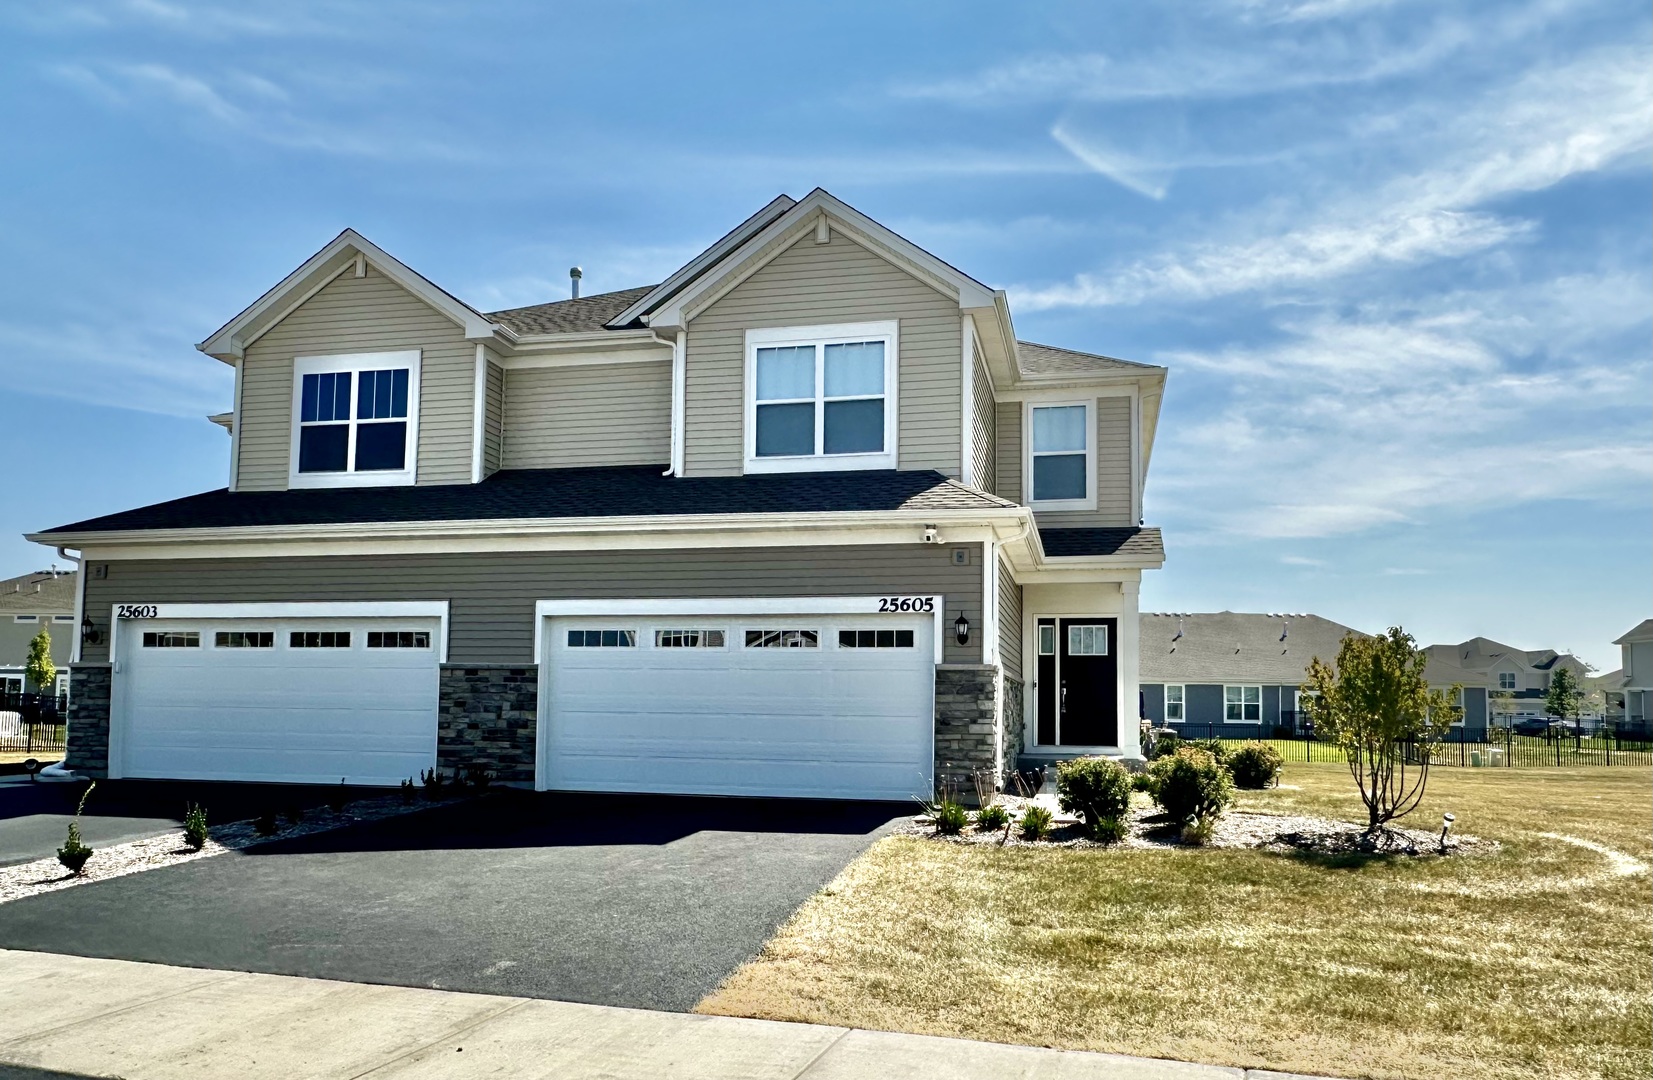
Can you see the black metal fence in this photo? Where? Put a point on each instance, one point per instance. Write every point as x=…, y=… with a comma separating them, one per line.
x=1498, y=748
x=33, y=723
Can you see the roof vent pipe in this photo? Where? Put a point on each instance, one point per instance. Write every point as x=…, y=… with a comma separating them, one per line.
x=574, y=276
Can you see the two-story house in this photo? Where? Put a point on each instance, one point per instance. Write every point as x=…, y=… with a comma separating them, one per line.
x=804, y=519
x=1513, y=681
x=30, y=603
x=1633, y=689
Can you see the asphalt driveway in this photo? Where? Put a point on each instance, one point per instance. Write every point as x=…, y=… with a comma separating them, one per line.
x=642, y=901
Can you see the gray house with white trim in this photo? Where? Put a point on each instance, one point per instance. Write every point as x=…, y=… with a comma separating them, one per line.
x=805, y=518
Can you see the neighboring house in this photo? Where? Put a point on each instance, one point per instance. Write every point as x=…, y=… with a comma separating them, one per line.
x=803, y=519
x=1636, y=686
x=1513, y=680
x=1235, y=672
x=44, y=600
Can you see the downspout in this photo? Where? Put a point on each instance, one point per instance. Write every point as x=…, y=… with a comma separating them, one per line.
x=80, y=602
x=678, y=347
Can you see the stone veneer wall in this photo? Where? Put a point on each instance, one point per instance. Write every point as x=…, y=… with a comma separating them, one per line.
x=967, y=736
x=88, y=739
x=487, y=718
x=1014, y=690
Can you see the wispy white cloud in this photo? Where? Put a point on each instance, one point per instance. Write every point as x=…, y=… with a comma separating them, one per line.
x=132, y=363
x=1302, y=560
x=247, y=106
x=1549, y=125
x=187, y=18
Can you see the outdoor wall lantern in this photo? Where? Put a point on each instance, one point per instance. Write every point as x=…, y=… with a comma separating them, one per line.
x=961, y=629
x=88, y=631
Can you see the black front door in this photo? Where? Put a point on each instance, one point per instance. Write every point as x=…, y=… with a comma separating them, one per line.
x=1087, y=694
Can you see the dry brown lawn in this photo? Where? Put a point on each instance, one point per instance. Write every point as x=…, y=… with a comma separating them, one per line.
x=1535, y=960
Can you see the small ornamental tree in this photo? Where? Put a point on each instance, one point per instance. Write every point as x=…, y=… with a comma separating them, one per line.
x=1564, y=699
x=39, y=667
x=1377, y=708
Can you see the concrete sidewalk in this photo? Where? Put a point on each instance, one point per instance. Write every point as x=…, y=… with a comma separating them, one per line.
x=74, y=1016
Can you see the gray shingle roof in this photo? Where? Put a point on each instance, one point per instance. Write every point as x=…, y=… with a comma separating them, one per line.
x=1036, y=359
x=1129, y=540
x=618, y=491
x=588, y=313
x=1235, y=647
x=39, y=593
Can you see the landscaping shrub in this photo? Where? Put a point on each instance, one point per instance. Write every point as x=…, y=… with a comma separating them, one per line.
x=478, y=777
x=1199, y=831
x=1190, y=785
x=1255, y=765
x=195, y=827
x=1217, y=748
x=294, y=814
x=73, y=854
x=948, y=817
x=992, y=817
x=1142, y=781
x=1110, y=831
x=408, y=792
x=265, y=825
x=339, y=799
x=433, y=781
x=1035, y=822
x=1096, y=789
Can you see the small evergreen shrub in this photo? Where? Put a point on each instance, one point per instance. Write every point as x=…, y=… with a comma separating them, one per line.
x=1110, y=831
x=1255, y=765
x=266, y=825
x=1191, y=784
x=1035, y=823
x=1096, y=789
x=1166, y=743
x=408, y=791
x=1142, y=781
x=433, y=782
x=195, y=827
x=74, y=853
x=948, y=817
x=992, y=817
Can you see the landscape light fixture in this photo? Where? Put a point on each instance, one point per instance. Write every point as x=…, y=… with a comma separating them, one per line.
x=1446, y=824
x=961, y=628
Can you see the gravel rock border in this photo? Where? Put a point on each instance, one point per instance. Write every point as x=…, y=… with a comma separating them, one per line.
x=157, y=852
x=1237, y=829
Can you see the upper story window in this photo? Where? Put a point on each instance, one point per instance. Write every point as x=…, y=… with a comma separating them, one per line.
x=1506, y=680
x=821, y=398
x=355, y=419
x=1061, y=460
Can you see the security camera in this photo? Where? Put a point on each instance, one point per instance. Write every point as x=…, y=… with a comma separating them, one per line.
x=930, y=536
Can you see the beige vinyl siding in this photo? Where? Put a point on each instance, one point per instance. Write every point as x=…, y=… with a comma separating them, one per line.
x=1007, y=432
x=811, y=284
x=356, y=315
x=1113, y=472
x=492, y=594
x=985, y=424
x=493, y=419
x=593, y=414
x=1010, y=622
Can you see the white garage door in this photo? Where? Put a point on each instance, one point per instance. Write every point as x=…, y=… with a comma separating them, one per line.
x=279, y=700
x=787, y=705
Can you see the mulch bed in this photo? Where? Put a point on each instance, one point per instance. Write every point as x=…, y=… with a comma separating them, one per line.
x=1282, y=833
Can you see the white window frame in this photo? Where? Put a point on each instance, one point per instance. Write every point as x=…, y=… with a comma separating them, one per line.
x=1242, y=688
x=355, y=363
x=820, y=336
x=1181, y=703
x=1511, y=676
x=25, y=618
x=1089, y=405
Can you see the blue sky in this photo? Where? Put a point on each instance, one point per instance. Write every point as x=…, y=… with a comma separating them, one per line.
x=1398, y=256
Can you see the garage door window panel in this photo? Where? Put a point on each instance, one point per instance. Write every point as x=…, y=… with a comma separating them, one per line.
x=783, y=639
x=875, y=639
x=689, y=639
x=319, y=639
x=244, y=639
x=602, y=639
x=171, y=639
x=398, y=639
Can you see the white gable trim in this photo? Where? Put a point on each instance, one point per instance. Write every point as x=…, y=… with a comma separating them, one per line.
x=346, y=251
x=854, y=225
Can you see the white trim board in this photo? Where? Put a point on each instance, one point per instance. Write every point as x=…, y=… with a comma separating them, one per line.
x=751, y=605
x=346, y=609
